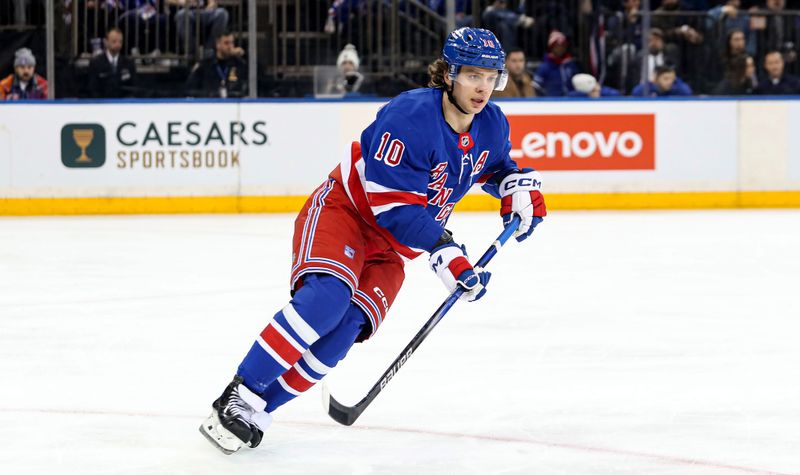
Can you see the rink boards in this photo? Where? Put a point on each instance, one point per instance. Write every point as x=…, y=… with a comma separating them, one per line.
x=211, y=156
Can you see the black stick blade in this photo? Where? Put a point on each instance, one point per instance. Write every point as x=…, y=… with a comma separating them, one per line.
x=342, y=414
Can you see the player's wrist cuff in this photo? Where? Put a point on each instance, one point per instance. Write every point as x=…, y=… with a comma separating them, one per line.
x=445, y=238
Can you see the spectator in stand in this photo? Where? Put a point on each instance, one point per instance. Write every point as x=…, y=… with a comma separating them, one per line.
x=145, y=28
x=626, y=24
x=557, y=15
x=349, y=80
x=553, y=77
x=666, y=83
x=463, y=11
x=624, y=40
x=777, y=82
x=520, y=82
x=750, y=71
x=339, y=15
x=683, y=33
x=223, y=75
x=94, y=18
x=676, y=29
x=780, y=30
x=503, y=22
x=586, y=85
x=658, y=54
x=213, y=22
x=735, y=45
x=739, y=78
x=23, y=83
x=695, y=5
x=112, y=74
x=728, y=17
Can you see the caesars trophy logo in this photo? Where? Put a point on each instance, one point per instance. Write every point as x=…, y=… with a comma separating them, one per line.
x=83, y=145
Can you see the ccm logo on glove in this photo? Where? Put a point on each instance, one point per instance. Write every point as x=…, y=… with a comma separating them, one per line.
x=527, y=183
x=520, y=196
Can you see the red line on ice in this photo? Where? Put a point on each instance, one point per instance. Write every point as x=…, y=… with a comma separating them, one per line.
x=454, y=435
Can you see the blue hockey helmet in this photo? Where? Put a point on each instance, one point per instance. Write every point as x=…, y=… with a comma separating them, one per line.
x=475, y=47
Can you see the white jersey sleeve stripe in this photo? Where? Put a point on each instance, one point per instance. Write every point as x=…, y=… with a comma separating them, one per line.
x=372, y=187
x=376, y=210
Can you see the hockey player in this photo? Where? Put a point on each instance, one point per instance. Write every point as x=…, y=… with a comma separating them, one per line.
x=388, y=201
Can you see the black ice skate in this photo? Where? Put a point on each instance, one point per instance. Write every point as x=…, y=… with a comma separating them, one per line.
x=238, y=419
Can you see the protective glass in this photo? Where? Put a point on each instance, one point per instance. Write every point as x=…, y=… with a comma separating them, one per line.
x=492, y=80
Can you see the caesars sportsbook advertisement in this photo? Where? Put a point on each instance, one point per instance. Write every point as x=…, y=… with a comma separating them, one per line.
x=165, y=149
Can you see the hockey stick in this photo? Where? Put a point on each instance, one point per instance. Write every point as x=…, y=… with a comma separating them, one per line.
x=347, y=415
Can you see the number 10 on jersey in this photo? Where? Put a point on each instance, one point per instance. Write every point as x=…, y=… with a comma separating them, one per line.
x=393, y=156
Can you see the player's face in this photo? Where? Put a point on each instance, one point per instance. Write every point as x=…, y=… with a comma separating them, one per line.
x=24, y=72
x=473, y=86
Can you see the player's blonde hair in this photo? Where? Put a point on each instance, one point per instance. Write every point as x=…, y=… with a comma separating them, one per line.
x=437, y=71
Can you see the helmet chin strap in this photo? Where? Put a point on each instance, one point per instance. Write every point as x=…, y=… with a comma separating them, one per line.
x=452, y=99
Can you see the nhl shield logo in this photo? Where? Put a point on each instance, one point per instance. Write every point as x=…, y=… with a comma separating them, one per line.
x=465, y=142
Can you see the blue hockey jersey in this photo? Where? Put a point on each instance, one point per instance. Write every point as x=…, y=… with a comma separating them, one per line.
x=411, y=168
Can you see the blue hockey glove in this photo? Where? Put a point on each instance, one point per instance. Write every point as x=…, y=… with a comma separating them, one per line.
x=520, y=194
x=449, y=262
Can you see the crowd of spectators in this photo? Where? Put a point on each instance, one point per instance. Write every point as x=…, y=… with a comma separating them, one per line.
x=135, y=29
x=722, y=47
x=701, y=47
x=717, y=47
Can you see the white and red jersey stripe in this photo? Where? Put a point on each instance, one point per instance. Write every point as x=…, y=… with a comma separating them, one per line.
x=371, y=199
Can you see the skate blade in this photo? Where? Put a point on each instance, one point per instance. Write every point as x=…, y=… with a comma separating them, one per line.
x=221, y=438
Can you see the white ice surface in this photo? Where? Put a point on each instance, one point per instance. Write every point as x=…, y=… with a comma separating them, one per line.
x=658, y=343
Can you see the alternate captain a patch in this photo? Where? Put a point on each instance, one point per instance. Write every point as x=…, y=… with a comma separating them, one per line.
x=349, y=252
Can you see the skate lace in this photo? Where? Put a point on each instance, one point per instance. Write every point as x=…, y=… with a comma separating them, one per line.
x=237, y=408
